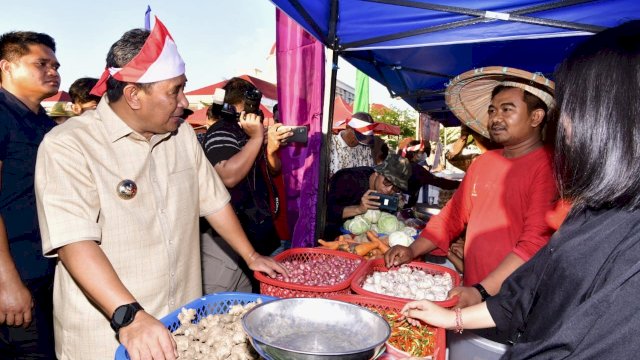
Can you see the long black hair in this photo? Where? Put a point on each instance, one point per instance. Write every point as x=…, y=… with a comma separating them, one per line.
x=597, y=157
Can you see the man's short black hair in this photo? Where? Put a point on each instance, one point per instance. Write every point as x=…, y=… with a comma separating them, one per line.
x=235, y=90
x=80, y=91
x=120, y=54
x=15, y=44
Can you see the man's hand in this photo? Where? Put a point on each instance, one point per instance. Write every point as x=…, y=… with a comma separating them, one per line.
x=369, y=201
x=147, y=338
x=15, y=303
x=252, y=125
x=267, y=265
x=468, y=296
x=277, y=135
x=398, y=255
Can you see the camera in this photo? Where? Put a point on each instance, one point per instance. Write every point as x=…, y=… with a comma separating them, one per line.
x=252, y=102
x=388, y=203
x=251, y=106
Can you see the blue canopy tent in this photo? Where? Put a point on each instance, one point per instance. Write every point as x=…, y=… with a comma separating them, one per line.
x=414, y=48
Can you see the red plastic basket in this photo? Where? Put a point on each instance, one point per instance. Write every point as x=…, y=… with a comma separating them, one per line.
x=378, y=265
x=373, y=303
x=274, y=287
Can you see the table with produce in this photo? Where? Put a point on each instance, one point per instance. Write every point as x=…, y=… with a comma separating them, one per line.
x=348, y=270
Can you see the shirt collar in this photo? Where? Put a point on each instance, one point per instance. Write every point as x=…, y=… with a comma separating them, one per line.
x=117, y=129
x=18, y=106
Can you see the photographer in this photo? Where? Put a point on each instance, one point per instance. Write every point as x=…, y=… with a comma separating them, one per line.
x=234, y=146
x=350, y=190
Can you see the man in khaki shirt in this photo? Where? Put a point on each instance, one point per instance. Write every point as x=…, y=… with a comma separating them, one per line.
x=119, y=192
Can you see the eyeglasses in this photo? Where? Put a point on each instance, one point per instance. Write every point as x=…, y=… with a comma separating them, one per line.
x=386, y=182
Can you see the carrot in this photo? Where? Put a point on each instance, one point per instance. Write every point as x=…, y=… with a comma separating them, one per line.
x=331, y=245
x=363, y=249
x=375, y=239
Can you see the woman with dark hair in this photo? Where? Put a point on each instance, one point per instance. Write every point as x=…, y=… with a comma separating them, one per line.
x=577, y=297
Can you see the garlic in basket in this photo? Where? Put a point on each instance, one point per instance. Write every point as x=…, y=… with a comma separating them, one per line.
x=409, y=283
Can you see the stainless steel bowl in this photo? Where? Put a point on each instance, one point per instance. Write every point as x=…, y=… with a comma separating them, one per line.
x=313, y=328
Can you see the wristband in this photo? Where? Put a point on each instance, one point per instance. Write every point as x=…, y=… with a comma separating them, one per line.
x=459, y=327
x=483, y=292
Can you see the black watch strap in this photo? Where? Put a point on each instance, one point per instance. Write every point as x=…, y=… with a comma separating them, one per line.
x=123, y=315
x=483, y=292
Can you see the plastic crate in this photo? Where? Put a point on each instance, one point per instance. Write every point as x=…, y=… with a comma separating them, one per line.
x=274, y=287
x=440, y=347
x=378, y=265
x=217, y=303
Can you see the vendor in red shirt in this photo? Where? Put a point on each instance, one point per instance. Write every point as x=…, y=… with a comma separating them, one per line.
x=506, y=193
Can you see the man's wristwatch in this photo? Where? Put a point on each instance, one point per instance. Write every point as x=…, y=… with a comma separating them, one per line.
x=483, y=292
x=124, y=315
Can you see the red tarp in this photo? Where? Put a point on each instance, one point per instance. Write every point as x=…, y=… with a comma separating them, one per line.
x=268, y=89
x=60, y=96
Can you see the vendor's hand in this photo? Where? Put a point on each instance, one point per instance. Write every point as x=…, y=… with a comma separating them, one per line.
x=252, y=125
x=424, y=311
x=369, y=201
x=277, y=136
x=398, y=255
x=467, y=296
x=15, y=303
x=268, y=266
x=147, y=338
x=457, y=248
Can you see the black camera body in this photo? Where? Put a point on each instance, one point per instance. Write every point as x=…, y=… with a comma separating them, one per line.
x=251, y=106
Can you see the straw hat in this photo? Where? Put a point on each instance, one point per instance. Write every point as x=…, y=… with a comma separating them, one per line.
x=468, y=95
x=60, y=109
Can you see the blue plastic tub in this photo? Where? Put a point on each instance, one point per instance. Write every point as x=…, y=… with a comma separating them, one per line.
x=217, y=303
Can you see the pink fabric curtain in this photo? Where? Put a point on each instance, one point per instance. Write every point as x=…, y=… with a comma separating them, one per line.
x=300, y=64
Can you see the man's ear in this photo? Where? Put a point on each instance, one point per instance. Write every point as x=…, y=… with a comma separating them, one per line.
x=131, y=94
x=5, y=66
x=537, y=116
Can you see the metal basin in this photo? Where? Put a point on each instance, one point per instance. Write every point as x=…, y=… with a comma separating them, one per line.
x=313, y=328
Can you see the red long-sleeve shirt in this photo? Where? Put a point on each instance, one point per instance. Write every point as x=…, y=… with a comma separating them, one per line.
x=503, y=203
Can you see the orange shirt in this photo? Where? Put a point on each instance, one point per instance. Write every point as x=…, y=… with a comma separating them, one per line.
x=502, y=203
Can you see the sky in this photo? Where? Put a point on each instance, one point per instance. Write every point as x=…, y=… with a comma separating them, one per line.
x=218, y=39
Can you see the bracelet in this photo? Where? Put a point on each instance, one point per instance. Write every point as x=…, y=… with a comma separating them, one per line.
x=253, y=256
x=483, y=292
x=458, y=329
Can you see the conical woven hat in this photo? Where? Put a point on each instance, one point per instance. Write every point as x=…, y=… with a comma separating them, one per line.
x=468, y=95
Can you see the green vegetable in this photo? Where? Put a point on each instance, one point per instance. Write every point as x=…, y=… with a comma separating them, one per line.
x=358, y=226
x=372, y=216
x=388, y=223
x=399, y=238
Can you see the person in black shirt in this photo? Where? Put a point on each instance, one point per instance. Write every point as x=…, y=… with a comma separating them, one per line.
x=234, y=146
x=577, y=297
x=350, y=190
x=29, y=74
x=417, y=153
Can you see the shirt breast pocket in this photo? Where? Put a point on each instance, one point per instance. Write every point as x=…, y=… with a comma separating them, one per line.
x=182, y=188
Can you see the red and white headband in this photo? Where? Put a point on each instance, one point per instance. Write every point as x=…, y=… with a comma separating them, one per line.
x=363, y=127
x=413, y=148
x=157, y=60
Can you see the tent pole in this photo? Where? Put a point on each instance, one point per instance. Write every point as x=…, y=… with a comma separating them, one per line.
x=327, y=124
x=325, y=153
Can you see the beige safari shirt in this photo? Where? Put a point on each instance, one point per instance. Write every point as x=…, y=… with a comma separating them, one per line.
x=344, y=157
x=151, y=240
